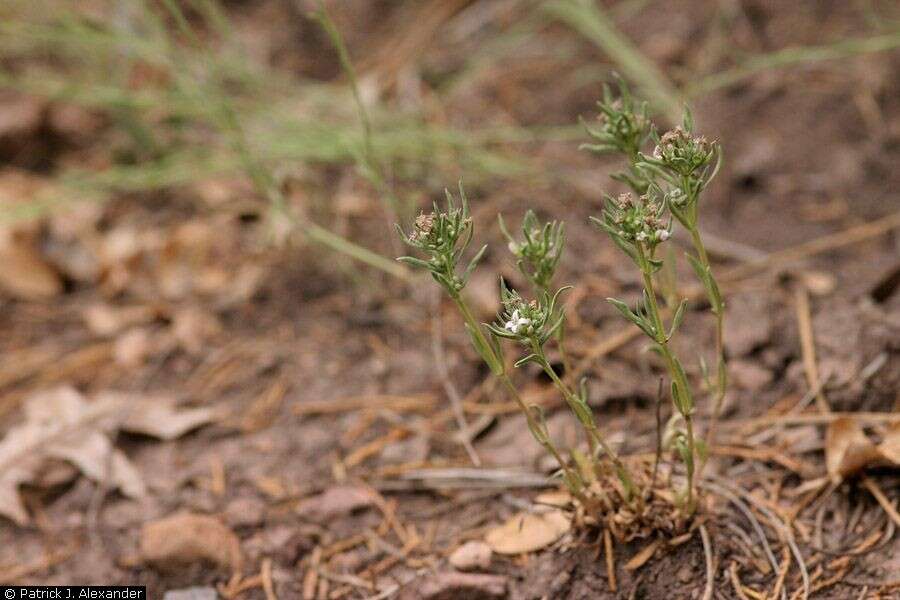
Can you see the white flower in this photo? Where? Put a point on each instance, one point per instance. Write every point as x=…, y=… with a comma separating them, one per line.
x=641, y=236
x=662, y=234
x=516, y=322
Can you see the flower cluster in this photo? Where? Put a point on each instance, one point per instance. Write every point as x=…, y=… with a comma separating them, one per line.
x=538, y=253
x=443, y=236
x=636, y=220
x=527, y=321
x=439, y=232
x=682, y=153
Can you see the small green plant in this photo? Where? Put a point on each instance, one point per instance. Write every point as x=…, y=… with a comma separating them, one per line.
x=444, y=236
x=668, y=185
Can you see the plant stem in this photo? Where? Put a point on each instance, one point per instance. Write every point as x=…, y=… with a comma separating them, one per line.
x=586, y=418
x=569, y=397
x=676, y=373
x=722, y=374
x=501, y=374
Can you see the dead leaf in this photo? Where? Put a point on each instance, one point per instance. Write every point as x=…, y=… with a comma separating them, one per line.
x=527, y=532
x=25, y=274
x=60, y=424
x=192, y=327
x=105, y=320
x=890, y=445
x=20, y=115
x=186, y=538
x=157, y=416
x=132, y=348
x=847, y=448
x=336, y=501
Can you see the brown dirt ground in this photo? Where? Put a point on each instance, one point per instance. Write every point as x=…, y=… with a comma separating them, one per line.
x=810, y=151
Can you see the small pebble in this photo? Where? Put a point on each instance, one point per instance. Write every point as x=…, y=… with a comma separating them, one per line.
x=472, y=556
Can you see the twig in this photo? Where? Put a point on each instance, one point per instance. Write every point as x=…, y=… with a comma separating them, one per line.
x=373, y=402
x=610, y=560
x=864, y=418
x=266, y=575
x=875, y=490
x=466, y=478
x=736, y=582
x=808, y=346
x=782, y=574
x=710, y=568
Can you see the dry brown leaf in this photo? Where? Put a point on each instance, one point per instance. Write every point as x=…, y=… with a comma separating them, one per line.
x=847, y=448
x=641, y=558
x=60, y=424
x=336, y=501
x=25, y=274
x=105, y=320
x=157, y=416
x=557, y=498
x=186, y=538
x=890, y=445
x=527, y=532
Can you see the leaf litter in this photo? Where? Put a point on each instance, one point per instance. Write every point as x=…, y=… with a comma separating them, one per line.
x=62, y=425
x=848, y=450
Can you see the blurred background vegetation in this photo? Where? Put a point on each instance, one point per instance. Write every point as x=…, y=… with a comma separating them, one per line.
x=188, y=91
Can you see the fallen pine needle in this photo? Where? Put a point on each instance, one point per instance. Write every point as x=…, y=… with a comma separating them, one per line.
x=808, y=347
x=875, y=490
x=266, y=576
x=782, y=573
x=311, y=579
x=610, y=560
x=641, y=558
x=710, y=567
x=375, y=402
x=736, y=582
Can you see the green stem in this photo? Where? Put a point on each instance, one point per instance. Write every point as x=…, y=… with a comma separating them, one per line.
x=722, y=374
x=675, y=372
x=586, y=418
x=501, y=374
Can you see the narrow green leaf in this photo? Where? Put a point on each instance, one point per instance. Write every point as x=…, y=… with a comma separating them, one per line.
x=415, y=262
x=474, y=262
x=524, y=361
x=676, y=320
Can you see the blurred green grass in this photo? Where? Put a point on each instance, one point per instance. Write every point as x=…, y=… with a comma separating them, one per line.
x=204, y=107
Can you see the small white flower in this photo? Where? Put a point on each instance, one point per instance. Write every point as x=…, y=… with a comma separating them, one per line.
x=641, y=236
x=662, y=234
x=516, y=322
